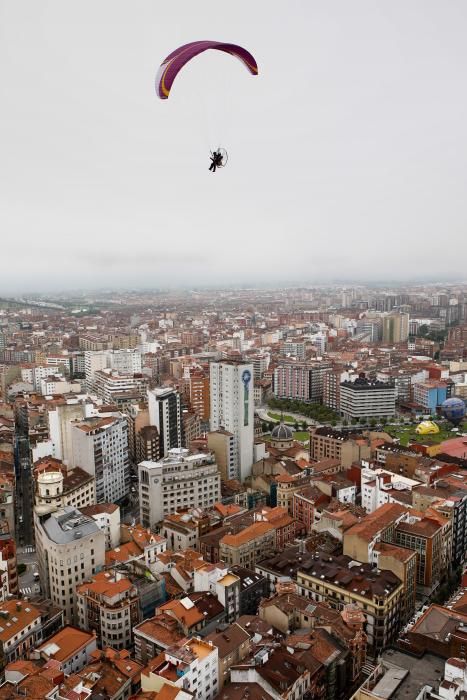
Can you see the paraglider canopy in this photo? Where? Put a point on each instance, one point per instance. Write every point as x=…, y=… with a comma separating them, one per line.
x=175, y=61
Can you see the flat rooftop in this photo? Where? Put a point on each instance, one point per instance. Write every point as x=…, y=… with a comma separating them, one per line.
x=69, y=524
x=419, y=672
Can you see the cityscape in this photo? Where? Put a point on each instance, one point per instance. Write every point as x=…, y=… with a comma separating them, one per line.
x=233, y=350
x=240, y=494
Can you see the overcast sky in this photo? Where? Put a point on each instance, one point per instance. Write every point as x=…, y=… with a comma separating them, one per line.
x=348, y=153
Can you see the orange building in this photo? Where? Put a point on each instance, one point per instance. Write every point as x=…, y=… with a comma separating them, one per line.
x=199, y=394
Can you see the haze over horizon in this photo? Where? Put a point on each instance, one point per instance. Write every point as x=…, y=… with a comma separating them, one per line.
x=347, y=152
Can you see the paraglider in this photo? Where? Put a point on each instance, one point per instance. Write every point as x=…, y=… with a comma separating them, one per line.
x=218, y=159
x=453, y=410
x=175, y=61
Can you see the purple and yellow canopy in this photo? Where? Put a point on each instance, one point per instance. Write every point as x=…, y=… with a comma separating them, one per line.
x=177, y=59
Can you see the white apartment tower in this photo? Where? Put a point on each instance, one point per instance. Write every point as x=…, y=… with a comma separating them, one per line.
x=165, y=412
x=127, y=361
x=232, y=409
x=94, y=361
x=100, y=447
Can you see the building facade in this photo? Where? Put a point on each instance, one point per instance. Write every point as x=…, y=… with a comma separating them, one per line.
x=100, y=447
x=303, y=381
x=109, y=605
x=367, y=399
x=340, y=581
x=70, y=549
x=179, y=481
x=165, y=412
x=232, y=410
x=249, y=546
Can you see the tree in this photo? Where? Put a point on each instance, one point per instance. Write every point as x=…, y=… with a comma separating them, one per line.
x=345, y=422
x=264, y=427
x=304, y=425
x=295, y=425
x=271, y=426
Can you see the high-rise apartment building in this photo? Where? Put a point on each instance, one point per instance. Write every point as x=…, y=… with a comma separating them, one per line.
x=165, y=412
x=260, y=364
x=137, y=416
x=70, y=549
x=119, y=390
x=60, y=417
x=232, y=409
x=94, y=361
x=100, y=447
x=332, y=387
x=302, y=381
x=395, y=328
x=369, y=329
x=199, y=394
x=295, y=348
x=180, y=480
x=127, y=361
x=148, y=444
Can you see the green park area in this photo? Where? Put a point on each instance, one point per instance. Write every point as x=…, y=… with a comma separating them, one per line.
x=278, y=417
x=407, y=433
x=301, y=436
x=315, y=411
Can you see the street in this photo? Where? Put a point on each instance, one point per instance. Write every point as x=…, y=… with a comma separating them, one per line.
x=24, y=524
x=27, y=584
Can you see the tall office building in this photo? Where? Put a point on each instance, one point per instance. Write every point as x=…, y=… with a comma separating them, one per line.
x=165, y=412
x=232, y=409
x=181, y=480
x=367, y=399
